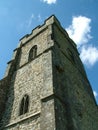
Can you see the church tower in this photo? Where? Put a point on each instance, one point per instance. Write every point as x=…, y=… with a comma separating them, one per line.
x=45, y=86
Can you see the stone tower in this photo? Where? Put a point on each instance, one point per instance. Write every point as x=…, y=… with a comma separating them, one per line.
x=45, y=86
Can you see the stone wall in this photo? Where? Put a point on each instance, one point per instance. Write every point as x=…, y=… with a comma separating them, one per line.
x=33, y=78
x=4, y=85
x=72, y=87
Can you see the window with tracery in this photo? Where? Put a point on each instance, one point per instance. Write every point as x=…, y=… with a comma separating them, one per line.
x=24, y=105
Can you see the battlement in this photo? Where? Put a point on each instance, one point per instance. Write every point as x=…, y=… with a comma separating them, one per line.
x=51, y=20
x=49, y=24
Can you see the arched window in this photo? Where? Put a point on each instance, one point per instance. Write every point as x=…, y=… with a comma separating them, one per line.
x=32, y=53
x=24, y=105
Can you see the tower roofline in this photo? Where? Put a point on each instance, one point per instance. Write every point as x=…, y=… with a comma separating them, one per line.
x=49, y=21
x=52, y=19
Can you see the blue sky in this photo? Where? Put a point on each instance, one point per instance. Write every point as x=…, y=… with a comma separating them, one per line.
x=78, y=17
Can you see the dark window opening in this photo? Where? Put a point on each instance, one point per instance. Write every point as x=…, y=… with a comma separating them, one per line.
x=32, y=53
x=24, y=105
x=71, y=56
x=59, y=68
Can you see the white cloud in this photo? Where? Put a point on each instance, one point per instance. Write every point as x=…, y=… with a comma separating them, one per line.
x=89, y=55
x=39, y=18
x=79, y=30
x=29, y=22
x=49, y=1
x=95, y=94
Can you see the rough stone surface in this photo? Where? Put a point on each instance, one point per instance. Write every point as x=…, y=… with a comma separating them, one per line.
x=72, y=86
x=60, y=95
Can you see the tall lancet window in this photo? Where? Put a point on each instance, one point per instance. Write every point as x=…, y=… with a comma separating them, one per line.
x=24, y=105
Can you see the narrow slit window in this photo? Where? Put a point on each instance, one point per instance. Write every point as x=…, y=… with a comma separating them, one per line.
x=71, y=56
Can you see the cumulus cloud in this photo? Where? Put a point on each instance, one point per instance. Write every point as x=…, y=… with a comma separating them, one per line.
x=49, y=1
x=89, y=55
x=80, y=32
x=95, y=94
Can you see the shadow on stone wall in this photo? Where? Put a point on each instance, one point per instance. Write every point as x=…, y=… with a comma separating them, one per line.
x=3, y=94
x=7, y=90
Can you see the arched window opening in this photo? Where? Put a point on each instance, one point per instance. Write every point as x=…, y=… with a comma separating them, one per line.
x=32, y=53
x=24, y=105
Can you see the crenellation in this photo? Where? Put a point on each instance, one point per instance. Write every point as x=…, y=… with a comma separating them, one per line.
x=39, y=29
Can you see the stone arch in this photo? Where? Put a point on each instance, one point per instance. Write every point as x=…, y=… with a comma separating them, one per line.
x=32, y=53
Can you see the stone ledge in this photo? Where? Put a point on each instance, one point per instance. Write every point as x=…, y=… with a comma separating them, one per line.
x=23, y=119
